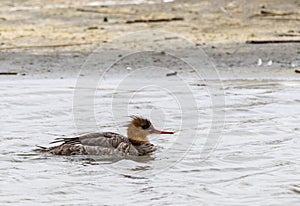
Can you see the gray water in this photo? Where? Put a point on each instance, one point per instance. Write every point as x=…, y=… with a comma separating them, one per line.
x=255, y=161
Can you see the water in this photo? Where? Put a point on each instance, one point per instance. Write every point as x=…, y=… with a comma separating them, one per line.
x=256, y=161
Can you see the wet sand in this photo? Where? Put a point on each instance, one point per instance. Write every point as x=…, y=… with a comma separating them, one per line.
x=54, y=38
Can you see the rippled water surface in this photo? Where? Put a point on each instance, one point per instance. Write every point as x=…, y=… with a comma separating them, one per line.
x=256, y=161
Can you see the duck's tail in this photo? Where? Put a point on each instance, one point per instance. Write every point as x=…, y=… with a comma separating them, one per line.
x=41, y=149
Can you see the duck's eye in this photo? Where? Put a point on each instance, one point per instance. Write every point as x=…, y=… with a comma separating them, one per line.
x=146, y=126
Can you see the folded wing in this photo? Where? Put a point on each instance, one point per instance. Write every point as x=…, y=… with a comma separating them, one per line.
x=103, y=139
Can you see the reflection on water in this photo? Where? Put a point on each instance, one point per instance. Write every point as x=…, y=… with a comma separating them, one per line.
x=256, y=161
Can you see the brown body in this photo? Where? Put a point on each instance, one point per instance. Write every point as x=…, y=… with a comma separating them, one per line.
x=109, y=143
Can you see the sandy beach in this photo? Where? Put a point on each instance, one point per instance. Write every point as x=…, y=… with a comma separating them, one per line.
x=52, y=37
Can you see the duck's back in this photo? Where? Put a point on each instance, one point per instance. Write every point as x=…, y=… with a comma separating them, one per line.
x=105, y=143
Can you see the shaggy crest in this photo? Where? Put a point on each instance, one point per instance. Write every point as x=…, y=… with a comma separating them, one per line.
x=140, y=122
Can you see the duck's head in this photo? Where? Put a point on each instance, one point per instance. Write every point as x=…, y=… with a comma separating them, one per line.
x=139, y=128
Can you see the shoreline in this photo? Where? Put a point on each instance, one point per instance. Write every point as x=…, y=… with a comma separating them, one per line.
x=231, y=60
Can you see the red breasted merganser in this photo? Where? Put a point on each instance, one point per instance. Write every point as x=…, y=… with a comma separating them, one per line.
x=107, y=143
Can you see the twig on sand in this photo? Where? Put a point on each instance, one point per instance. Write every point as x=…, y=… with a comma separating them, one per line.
x=44, y=46
x=272, y=41
x=154, y=20
x=171, y=74
x=8, y=73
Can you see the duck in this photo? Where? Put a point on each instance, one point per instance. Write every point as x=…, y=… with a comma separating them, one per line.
x=136, y=143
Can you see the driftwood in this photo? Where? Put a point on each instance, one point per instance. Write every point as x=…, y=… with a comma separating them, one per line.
x=44, y=46
x=154, y=20
x=288, y=35
x=264, y=13
x=105, y=11
x=275, y=13
x=272, y=41
x=8, y=73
